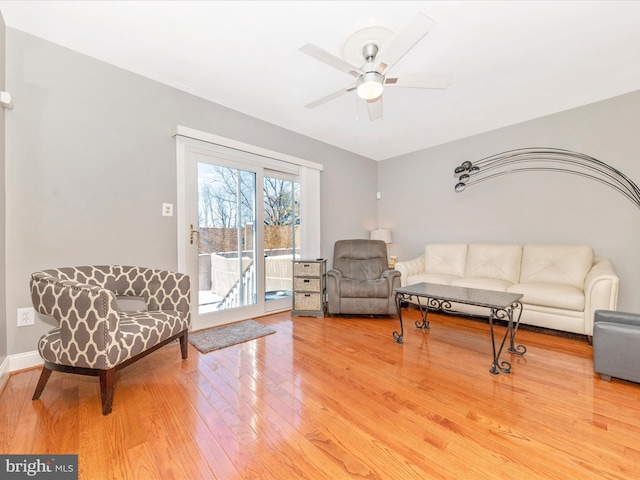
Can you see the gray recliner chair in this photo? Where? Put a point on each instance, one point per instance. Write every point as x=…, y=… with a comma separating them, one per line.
x=360, y=281
x=616, y=345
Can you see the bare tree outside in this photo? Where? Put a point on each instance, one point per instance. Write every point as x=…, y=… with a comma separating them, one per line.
x=226, y=216
x=218, y=190
x=280, y=205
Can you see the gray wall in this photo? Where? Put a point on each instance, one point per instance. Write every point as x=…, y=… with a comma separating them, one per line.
x=420, y=206
x=90, y=160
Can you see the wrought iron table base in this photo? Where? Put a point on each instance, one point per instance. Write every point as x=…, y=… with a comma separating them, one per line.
x=440, y=305
x=498, y=367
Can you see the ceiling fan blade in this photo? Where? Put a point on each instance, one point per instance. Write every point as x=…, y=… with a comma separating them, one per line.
x=439, y=82
x=405, y=41
x=375, y=108
x=330, y=97
x=330, y=59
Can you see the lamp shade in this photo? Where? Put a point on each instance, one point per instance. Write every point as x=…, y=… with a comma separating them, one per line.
x=381, y=234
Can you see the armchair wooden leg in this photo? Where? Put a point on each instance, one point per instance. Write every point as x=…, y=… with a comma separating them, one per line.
x=42, y=382
x=184, y=344
x=107, y=382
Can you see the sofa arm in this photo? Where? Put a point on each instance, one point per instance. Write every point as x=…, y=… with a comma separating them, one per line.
x=600, y=291
x=85, y=313
x=409, y=268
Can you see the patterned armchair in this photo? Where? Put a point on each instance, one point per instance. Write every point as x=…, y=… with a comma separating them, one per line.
x=94, y=337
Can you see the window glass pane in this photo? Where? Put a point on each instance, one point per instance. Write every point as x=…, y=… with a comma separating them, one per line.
x=281, y=235
x=226, y=217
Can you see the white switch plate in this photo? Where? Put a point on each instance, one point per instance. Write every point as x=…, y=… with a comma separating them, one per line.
x=167, y=209
x=26, y=316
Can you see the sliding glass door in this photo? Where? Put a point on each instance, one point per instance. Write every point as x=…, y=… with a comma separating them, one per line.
x=239, y=230
x=281, y=239
x=226, y=238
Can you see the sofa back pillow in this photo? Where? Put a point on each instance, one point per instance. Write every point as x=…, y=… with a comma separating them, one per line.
x=445, y=259
x=501, y=262
x=565, y=264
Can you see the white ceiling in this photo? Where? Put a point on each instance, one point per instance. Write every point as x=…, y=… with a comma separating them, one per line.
x=510, y=61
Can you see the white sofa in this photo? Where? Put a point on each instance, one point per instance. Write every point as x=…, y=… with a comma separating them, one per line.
x=563, y=285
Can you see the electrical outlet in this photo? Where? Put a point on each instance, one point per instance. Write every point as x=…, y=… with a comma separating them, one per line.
x=26, y=316
x=167, y=209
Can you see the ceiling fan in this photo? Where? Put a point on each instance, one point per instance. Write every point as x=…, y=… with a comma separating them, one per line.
x=372, y=77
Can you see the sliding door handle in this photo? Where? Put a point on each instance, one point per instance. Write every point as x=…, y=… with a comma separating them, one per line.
x=192, y=233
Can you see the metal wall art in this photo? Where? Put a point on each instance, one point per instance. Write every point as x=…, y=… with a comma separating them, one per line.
x=545, y=160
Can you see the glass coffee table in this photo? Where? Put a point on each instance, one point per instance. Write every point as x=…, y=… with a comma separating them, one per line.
x=440, y=298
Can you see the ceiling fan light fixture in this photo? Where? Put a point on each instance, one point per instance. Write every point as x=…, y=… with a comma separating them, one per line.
x=369, y=85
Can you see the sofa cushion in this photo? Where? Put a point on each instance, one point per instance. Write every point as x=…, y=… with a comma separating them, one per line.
x=556, y=264
x=438, y=278
x=483, y=283
x=553, y=295
x=446, y=259
x=494, y=261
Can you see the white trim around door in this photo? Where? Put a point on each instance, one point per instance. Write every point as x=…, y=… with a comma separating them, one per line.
x=191, y=143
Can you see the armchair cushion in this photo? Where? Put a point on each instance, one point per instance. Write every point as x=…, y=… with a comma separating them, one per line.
x=140, y=331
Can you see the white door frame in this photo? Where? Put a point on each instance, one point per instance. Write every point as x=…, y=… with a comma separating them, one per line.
x=189, y=140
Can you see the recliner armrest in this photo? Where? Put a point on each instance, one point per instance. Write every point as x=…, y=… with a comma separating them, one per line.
x=394, y=278
x=337, y=274
x=334, y=277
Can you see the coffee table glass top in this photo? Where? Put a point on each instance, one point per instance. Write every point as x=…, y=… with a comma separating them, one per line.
x=470, y=296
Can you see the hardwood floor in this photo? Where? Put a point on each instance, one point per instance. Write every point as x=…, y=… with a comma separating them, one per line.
x=337, y=398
